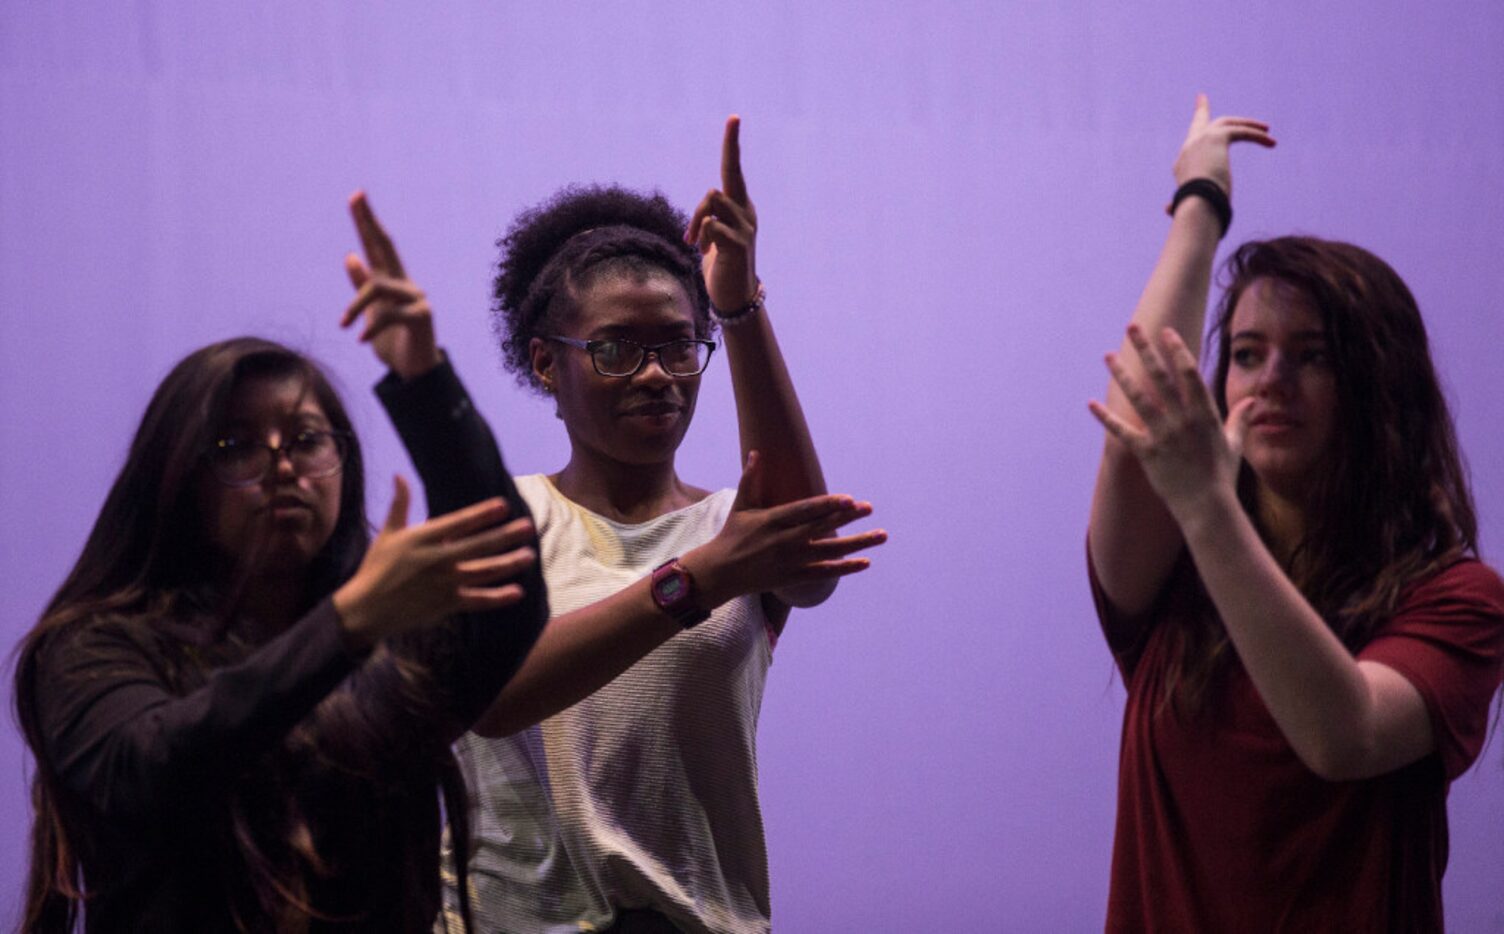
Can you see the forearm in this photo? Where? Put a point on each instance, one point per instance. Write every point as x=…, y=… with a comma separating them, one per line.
x=457, y=457
x=121, y=737
x=578, y=654
x=769, y=419
x=1326, y=704
x=771, y=422
x=1133, y=539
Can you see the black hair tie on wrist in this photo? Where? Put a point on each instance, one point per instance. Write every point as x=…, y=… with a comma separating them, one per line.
x=1213, y=194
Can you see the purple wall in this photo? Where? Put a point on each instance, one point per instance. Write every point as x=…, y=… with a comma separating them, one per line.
x=959, y=203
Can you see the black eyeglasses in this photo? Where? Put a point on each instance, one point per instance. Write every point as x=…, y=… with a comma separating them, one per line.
x=621, y=357
x=239, y=462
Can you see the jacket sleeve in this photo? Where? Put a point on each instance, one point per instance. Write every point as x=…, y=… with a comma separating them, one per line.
x=421, y=691
x=121, y=740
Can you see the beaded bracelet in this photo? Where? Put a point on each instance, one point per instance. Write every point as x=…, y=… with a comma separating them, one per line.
x=743, y=314
x=1210, y=192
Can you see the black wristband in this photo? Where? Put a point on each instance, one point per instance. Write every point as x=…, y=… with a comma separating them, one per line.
x=1212, y=193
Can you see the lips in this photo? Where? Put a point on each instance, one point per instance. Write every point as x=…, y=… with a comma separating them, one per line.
x=1274, y=420
x=654, y=409
x=283, y=502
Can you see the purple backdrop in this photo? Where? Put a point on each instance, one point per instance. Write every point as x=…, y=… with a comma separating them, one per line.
x=959, y=204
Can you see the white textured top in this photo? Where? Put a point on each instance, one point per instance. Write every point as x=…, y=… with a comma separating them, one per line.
x=643, y=795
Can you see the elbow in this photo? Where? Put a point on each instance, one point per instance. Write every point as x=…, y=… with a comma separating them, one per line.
x=808, y=594
x=1340, y=759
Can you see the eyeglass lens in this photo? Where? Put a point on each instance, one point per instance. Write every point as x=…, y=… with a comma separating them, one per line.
x=312, y=453
x=623, y=358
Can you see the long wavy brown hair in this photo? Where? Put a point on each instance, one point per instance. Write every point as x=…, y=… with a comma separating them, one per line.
x=1392, y=504
x=146, y=561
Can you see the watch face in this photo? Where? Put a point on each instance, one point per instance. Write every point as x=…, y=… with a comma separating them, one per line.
x=671, y=588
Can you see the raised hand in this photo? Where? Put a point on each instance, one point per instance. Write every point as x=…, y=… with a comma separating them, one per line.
x=763, y=550
x=1185, y=450
x=415, y=577
x=398, y=318
x=724, y=227
x=1204, y=152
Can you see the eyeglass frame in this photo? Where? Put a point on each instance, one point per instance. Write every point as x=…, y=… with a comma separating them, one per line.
x=591, y=346
x=341, y=440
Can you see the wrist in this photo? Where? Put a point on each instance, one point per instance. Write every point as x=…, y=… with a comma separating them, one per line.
x=1208, y=193
x=1206, y=513
x=419, y=363
x=740, y=314
x=711, y=587
x=355, y=625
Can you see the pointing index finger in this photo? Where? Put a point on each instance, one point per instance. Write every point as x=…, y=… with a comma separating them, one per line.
x=380, y=252
x=732, y=181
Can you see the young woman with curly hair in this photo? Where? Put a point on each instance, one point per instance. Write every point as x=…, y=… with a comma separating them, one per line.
x=614, y=781
x=1285, y=566
x=241, y=707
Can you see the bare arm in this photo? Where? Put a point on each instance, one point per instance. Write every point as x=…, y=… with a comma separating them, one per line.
x=769, y=419
x=758, y=550
x=1134, y=541
x=1344, y=718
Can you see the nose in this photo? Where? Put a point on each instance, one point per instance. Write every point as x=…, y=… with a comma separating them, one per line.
x=652, y=369
x=282, y=466
x=1277, y=374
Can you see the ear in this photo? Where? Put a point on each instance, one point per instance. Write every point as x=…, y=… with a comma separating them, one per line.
x=543, y=359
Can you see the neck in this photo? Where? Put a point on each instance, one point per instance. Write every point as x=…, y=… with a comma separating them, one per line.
x=620, y=491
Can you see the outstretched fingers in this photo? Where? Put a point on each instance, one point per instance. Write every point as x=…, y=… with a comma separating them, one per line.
x=1153, y=361
x=488, y=542
x=1245, y=130
x=1133, y=438
x=381, y=253
x=1144, y=405
x=487, y=570
x=1192, y=387
x=815, y=509
x=466, y=521
x=825, y=570
x=827, y=549
x=478, y=599
x=374, y=288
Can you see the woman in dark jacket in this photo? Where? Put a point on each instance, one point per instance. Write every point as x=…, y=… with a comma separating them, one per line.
x=241, y=706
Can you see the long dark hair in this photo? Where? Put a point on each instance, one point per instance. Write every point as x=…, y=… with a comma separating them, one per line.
x=1392, y=504
x=147, y=559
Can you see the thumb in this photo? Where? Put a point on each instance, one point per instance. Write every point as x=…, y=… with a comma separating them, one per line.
x=1236, y=428
x=1202, y=115
x=745, y=489
x=396, y=514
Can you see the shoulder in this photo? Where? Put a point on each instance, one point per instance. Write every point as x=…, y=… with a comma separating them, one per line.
x=1459, y=610
x=1465, y=590
x=538, y=492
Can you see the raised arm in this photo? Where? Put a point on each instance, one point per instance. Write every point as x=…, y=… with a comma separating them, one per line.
x=467, y=659
x=1345, y=718
x=769, y=419
x=1134, y=541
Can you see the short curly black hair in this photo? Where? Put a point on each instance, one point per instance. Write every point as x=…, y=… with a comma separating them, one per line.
x=561, y=245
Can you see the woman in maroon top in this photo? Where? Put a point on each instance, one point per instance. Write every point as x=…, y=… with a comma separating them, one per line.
x=1285, y=568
